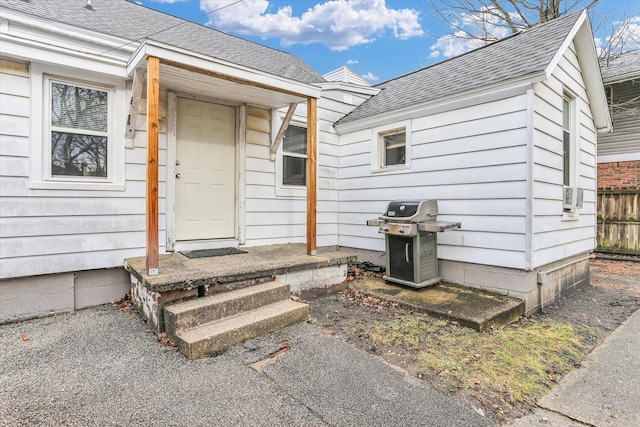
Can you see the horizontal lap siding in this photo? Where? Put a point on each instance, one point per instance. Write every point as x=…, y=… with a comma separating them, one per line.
x=46, y=231
x=625, y=138
x=262, y=204
x=473, y=161
x=271, y=218
x=554, y=235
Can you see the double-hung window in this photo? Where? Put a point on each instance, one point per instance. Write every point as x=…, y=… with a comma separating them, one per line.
x=566, y=140
x=294, y=156
x=78, y=130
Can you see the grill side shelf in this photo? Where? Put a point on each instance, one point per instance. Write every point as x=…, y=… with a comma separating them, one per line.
x=438, y=226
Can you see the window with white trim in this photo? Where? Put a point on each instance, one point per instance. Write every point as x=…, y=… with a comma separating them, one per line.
x=78, y=130
x=294, y=156
x=567, y=149
x=391, y=147
x=572, y=195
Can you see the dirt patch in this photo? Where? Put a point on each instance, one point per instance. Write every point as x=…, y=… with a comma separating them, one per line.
x=585, y=316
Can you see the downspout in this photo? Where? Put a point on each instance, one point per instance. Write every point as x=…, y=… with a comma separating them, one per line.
x=528, y=261
x=529, y=140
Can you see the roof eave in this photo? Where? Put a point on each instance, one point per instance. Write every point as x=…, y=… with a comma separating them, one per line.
x=621, y=78
x=460, y=100
x=582, y=36
x=206, y=64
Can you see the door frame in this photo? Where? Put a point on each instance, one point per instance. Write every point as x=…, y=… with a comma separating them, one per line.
x=240, y=209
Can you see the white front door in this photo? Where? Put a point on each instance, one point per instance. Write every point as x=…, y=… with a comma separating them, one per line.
x=205, y=171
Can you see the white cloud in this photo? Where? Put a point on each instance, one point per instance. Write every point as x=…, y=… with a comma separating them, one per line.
x=625, y=37
x=352, y=61
x=628, y=33
x=339, y=24
x=370, y=77
x=484, y=26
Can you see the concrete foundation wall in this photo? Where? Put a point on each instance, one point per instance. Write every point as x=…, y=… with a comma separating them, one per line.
x=315, y=278
x=36, y=296
x=547, y=282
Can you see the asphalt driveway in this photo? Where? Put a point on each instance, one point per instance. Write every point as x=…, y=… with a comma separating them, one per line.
x=102, y=367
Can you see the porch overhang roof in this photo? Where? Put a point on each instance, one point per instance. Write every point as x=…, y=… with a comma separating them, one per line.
x=225, y=80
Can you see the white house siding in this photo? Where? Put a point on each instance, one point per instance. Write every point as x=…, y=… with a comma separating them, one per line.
x=557, y=235
x=472, y=160
x=276, y=216
x=269, y=219
x=47, y=231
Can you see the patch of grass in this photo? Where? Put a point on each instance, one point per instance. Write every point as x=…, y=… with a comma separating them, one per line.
x=519, y=362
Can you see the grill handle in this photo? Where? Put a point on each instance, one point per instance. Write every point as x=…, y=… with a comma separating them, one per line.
x=406, y=252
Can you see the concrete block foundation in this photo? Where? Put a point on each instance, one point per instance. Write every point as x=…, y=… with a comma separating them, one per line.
x=36, y=296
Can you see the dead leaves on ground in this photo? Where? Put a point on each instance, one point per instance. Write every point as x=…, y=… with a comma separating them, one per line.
x=359, y=297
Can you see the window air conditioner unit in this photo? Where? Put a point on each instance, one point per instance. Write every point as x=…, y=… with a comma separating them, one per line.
x=573, y=198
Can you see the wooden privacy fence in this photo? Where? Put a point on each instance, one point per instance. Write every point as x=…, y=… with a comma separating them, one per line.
x=619, y=221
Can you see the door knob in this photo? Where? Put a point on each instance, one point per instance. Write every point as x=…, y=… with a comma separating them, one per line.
x=178, y=175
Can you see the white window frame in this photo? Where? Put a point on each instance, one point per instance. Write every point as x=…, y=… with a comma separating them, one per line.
x=297, y=191
x=378, y=148
x=40, y=177
x=574, y=145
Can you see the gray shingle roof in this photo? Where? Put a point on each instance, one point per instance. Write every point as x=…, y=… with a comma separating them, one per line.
x=132, y=21
x=516, y=56
x=624, y=67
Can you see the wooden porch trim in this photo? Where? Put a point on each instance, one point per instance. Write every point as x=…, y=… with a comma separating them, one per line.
x=312, y=155
x=153, y=116
x=229, y=78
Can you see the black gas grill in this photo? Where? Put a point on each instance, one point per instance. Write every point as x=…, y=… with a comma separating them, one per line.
x=410, y=228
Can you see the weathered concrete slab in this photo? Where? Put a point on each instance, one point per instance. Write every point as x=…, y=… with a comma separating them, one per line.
x=473, y=308
x=179, y=272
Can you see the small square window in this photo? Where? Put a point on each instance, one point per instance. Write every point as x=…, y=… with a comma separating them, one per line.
x=391, y=147
x=294, y=156
x=78, y=130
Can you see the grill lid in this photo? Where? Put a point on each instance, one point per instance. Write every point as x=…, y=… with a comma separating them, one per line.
x=411, y=210
x=402, y=208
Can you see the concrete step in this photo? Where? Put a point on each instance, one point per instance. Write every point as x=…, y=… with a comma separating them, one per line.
x=192, y=313
x=215, y=336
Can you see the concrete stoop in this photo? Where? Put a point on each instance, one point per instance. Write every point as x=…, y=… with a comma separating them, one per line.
x=207, y=325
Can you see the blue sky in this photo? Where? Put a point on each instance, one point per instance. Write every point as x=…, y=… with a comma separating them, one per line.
x=378, y=39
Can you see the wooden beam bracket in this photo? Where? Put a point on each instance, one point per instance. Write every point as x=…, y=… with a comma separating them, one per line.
x=277, y=139
x=136, y=95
